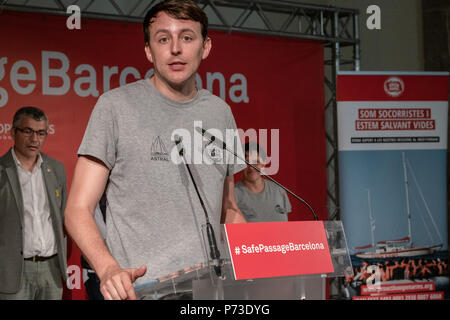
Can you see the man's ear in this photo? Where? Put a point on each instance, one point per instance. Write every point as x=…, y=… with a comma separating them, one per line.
x=148, y=53
x=207, y=45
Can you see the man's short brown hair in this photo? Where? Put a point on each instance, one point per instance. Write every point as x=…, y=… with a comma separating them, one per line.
x=178, y=9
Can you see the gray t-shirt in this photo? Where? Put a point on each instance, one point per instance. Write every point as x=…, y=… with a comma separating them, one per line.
x=154, y=216
x=272, y=204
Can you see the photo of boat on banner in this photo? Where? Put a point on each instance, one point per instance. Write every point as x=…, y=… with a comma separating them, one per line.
x=395, y=222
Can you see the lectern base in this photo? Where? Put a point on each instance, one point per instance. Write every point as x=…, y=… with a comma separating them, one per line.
x=287, y=288
x=203, y=285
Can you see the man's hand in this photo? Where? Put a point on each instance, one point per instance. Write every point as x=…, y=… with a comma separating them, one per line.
x=117, y=283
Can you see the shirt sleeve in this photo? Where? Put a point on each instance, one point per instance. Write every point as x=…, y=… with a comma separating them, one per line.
x=100, y=137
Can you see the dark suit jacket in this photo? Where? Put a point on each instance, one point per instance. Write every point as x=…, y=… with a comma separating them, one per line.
x=11, y=218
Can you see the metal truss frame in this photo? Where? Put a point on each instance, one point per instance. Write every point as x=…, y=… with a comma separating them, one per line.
x=336, y=28
x=294, y=19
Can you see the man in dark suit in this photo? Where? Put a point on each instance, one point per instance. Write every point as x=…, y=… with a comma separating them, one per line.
x=33, y=193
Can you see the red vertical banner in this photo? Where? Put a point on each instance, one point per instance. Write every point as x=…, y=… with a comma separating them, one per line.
x=392, y=131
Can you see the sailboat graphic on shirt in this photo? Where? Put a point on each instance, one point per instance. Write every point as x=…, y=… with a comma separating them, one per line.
x=159, y=150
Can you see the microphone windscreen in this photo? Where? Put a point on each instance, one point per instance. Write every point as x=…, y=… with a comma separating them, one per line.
x=178, y=139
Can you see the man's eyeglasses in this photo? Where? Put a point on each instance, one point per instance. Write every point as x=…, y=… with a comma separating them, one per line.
x=29, y=132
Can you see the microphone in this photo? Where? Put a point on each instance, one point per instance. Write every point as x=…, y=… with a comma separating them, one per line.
x=213, y=249
x=179, y=145
x=213, y=138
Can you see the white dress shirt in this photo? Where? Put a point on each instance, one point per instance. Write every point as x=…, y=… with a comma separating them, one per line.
x=38, y=235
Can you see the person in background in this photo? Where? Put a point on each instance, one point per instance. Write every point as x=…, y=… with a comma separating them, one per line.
x=259, y=199
x=33, y=193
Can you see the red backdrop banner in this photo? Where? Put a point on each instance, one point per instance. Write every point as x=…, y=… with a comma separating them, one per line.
x=273, y=85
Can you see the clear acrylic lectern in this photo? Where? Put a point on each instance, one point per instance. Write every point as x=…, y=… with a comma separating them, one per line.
x=200, y=282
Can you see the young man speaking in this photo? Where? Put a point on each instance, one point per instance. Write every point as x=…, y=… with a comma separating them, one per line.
x=153, y=215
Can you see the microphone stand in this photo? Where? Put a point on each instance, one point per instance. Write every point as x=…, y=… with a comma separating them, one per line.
x=213, y=249
x=213, y=138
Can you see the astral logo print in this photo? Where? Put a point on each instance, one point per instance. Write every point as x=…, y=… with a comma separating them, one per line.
x=159, y=151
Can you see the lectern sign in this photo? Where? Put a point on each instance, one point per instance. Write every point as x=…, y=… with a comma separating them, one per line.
x=278, y=249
